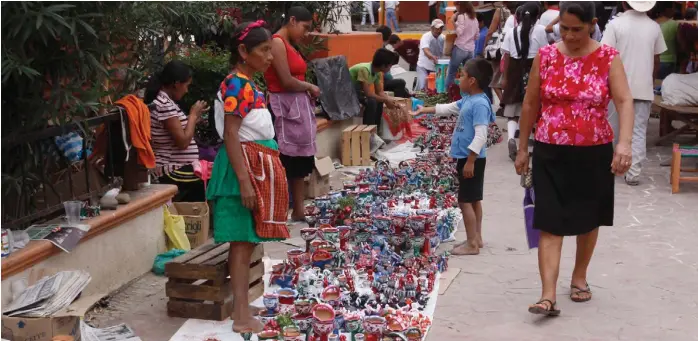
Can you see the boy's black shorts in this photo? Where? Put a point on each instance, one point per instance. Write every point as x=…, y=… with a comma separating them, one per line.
x=471, y=190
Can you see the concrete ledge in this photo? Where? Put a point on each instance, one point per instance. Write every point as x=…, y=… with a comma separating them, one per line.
x=142, y=201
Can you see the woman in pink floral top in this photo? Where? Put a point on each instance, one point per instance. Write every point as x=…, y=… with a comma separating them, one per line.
x=574, y=162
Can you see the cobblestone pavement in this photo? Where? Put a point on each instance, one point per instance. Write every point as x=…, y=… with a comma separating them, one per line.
x=644, y=274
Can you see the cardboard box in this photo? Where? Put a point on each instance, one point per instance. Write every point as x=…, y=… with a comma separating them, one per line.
x=319, y=181
x=196, y=221
x=39, y=329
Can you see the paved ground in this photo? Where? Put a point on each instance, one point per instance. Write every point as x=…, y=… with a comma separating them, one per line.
x=644, y=274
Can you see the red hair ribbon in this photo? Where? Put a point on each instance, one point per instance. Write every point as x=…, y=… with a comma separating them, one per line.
x=258, y=23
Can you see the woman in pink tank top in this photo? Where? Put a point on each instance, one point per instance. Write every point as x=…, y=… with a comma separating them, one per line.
x=291, y=100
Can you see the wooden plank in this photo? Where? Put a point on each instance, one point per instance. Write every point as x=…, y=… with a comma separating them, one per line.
x=356, y=145
x=256, y=291
x=221, y=249
x=257, y=254
x=195, y=253
x=346, y=145
x=256, y=272
x=366, y=144
x=198, y=310
x=202, y=292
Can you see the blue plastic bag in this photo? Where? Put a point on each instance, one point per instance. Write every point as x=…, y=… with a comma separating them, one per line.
x=164, y=258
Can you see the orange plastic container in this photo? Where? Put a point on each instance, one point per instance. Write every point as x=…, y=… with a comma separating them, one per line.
x=431, y=81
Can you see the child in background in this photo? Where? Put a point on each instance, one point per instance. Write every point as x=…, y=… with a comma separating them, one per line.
x=480, y=42
x=468, y=147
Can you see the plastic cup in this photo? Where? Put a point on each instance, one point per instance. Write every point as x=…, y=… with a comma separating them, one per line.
x=72, y=211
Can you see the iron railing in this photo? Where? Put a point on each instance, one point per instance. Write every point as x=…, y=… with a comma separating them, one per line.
x=37, y=177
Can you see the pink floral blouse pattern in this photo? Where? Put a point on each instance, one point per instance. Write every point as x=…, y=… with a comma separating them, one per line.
x=574, y=95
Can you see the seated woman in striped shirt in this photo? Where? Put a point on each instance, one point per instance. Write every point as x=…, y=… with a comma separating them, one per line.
x=172, y=132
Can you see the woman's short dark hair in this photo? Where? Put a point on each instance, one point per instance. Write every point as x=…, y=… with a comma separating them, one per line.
x=300, y=13
x=585, y=11
x=394, y=39
x=481, y=70
x=385, y=31
x=254, y=37
x=173, y=72
x=691, y=13
x=384, y=58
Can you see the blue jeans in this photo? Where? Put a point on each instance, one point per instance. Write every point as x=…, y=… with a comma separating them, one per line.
x=458, y=57
x=422, y=74
x=665, y=69
x=391, y=19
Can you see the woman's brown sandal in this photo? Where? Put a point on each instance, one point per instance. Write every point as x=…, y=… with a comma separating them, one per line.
x=548, y=308
x=574, y=294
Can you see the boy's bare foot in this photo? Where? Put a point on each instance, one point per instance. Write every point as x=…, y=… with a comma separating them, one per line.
x=466, y=249
x=249, y=324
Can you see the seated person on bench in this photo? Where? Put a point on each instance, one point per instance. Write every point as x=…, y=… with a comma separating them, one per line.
x=368, y=81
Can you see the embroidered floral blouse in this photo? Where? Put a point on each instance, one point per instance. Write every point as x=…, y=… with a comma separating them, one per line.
x=574, y=95
x=242, y=98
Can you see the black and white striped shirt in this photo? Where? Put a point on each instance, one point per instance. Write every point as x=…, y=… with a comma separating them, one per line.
x=167, y=156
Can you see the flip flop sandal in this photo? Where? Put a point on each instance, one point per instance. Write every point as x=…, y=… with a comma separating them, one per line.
x=550, y=311
x=574, y=295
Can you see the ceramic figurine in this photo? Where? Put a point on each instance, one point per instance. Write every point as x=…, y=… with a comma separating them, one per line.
x=246, y=336
x=308, y=234
x=323, y=321
x=271, y=302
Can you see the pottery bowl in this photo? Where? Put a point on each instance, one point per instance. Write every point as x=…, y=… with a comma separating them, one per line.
x=303, y=307
x=268, y=335
x=304, y=322
x=287, y=295
x=267, y=317
x=308, y=233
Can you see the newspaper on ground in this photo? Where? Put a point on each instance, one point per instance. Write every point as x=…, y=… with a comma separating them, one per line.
x=64, y=237
x=69, y=285
x=120, y=332
x=34, y=295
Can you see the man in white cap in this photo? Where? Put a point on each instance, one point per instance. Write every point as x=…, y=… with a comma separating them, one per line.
x=639, y=41
x=431, y=48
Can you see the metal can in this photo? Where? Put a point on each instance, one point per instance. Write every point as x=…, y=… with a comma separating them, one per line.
x=6, y=246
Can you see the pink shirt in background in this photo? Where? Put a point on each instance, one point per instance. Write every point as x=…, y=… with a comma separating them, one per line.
x=467, y=32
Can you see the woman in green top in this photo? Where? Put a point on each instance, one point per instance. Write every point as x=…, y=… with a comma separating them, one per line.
x=368, y=81
x=670, y=27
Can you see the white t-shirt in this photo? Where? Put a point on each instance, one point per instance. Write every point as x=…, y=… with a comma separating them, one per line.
x=546, y=18
x=391, y=4
x=435, y=46
x=638, y=39
x=510, y=23
x=537, y=38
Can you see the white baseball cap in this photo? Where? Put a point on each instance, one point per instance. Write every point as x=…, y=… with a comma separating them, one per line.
x=641, y=6
x=437, y=23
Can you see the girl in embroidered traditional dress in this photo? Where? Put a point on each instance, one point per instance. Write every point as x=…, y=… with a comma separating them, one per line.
x=248, y=184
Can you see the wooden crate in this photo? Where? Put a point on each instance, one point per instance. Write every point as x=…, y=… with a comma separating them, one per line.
x=356, y=145
x=199, y=283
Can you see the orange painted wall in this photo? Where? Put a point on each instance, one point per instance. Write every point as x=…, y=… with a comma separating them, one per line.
x=414, y=11
x=357, y=47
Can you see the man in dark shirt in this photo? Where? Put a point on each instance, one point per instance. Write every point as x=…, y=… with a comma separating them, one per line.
x=408, y=49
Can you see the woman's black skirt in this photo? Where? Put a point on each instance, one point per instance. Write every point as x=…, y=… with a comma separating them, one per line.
x=574, y=188
x=297, y=166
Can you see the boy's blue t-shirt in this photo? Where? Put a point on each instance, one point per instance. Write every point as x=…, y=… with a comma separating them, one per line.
x=480, y=42
x=474, y=110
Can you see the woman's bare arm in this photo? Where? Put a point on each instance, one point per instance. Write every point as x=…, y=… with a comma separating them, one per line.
x=622, y=99
x=495, y=24
x=233, y=148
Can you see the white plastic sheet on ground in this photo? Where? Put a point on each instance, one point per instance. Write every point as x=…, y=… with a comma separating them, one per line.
x=396, y=153
x=197, y=330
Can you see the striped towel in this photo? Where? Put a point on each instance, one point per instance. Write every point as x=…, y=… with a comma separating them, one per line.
x=70, y=145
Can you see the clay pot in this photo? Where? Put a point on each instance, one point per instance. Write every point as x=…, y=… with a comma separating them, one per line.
x=271, y=301
x=321, y=258
x=413, y=334
x=303, y=307
x=267, y=317
x=304, y=322
x=331, y=293
x=292, y=333
x=294, y=257
x=374, y=325
x=330, y=234
x=268, y=335
x=323, y=312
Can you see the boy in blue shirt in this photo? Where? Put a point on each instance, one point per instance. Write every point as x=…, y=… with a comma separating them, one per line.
x=468, y=147
x=480, y=42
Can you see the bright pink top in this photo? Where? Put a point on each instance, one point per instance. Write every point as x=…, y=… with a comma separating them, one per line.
x=467, y=32
x=574, y=96
x=296, y=65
